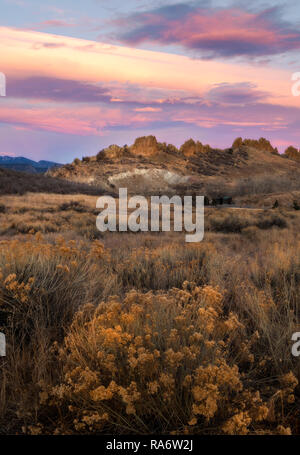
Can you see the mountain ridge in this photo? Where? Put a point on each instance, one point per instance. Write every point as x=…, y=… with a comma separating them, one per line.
x=20, y=163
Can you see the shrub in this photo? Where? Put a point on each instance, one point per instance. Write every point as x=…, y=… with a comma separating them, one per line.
x=229, y=223
x=41, y=287
x=101, y=155
x=195, y=359
x=73, y=205
x=296, y=206
x=263, y=184
x=13, y=182
x=237, y=143
x=271, y=221
x=42, y=283
x=292, y=153
x=155, y=364
x=206, y=200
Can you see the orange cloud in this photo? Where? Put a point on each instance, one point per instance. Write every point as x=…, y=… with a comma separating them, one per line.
x=147, y=109
x=82, y=60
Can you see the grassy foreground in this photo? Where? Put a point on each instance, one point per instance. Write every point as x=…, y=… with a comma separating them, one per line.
x=143, y=333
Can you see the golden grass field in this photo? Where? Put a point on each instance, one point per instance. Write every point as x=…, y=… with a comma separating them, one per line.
x=142, y=333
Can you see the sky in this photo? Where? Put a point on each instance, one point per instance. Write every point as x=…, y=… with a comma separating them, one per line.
x=83, y=75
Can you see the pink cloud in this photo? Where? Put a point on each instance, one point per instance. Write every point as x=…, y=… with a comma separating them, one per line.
x=55, y=23
x=125, y=90
x=87, y=121
x=225, y=32
x=147, y=109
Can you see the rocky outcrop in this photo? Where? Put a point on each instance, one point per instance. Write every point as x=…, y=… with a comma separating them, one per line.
x=145, y=146
x=192, y=148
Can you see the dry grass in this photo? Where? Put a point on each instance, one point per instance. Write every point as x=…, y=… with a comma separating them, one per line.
x=14, y=182
x=49, y=213
x=147, y=334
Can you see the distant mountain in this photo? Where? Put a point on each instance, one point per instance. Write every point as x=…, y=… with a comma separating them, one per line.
x=26, y=165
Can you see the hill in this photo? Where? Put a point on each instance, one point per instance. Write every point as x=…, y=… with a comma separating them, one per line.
x=149, y=165
x=26, y=165
x=14, y=182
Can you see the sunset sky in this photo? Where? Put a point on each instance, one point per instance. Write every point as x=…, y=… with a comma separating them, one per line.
x=83, y=75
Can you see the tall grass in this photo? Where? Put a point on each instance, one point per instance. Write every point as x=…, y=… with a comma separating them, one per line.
x=151, y=335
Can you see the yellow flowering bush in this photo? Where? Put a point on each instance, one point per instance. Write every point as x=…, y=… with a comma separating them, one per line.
x=154, y=363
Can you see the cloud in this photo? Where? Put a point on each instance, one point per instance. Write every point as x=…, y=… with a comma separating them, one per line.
x=96, y=120
x=133, y=96
x=243, y=93
x=60, y=23
x=56, y=89
x=137, y=74
x=231, y=32
x=122, y=90
x=64, y=120
x=48, y=45
x=88, y=121
x=147, y=109
x=223, y=105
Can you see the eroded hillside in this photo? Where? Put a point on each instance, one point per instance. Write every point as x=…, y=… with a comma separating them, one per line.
x=149, y=165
